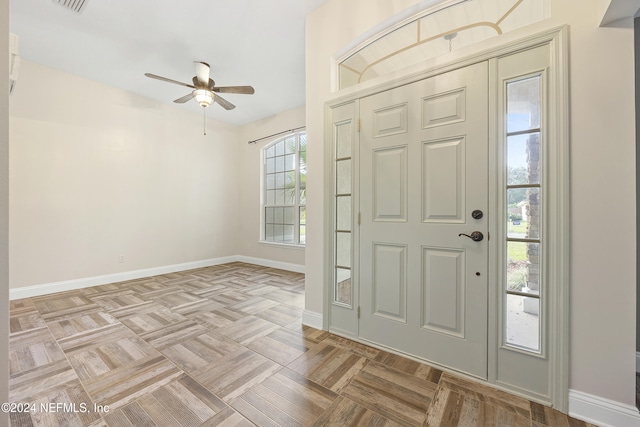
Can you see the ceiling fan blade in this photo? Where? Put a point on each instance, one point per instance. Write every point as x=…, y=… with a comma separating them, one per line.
x=184, y=99
x=164, y=79
x=202, y=72
x=247, y=90
x=223, y=102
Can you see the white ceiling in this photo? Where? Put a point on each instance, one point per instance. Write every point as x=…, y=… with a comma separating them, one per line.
x=246, y=42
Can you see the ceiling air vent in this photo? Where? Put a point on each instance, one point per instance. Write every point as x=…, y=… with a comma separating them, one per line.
x=74, y=5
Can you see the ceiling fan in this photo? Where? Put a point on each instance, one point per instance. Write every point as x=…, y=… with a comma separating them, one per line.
x=205, y=90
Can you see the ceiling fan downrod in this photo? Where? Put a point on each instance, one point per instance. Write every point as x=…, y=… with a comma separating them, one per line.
x=204, y=120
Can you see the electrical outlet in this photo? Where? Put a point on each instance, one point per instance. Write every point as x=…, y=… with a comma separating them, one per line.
x=121, y=258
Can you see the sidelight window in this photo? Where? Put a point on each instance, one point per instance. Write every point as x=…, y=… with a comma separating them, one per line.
x=523, y=291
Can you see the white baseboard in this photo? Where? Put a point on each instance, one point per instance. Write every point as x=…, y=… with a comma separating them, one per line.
x=297, y=268
x=312, y=319
x=69, y=285
x=602, y=412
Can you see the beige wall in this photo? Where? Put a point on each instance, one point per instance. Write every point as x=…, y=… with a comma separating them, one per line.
x=97, y=173
x=603, y=271
x=603, y=287
x=94, y=178
x=249, y=176
x=4, y=208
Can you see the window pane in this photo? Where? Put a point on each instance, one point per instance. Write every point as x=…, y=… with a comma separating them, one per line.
x=303, y=162
x=278, y=216
x=288, y=234
x=523, y=213
x=343, y=140
x=278, y=233
x=343, y=213
x=279, y=197
x=289, y=196
x=268, y=215
x=279, y=180
x=271, y=181
x=280, y=164
x=290, y=145
x=343, y=286
x=303, y=189
x=343, y=177
x=280, y=148
x=523, y=104
x=523, y=267
x=343, y=249
x=271, y=151
x=523, y=159
x=290, y=179
x=268, y=233
x=523, y=322
x=271, y=197
x=303, y=234
x=271, y=165
x=303, y=141
x=289, y=217
x=290, y=162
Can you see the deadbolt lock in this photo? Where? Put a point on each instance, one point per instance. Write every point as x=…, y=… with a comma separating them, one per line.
x=477, y=214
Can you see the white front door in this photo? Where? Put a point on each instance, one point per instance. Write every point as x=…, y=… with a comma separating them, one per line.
x=424, y=179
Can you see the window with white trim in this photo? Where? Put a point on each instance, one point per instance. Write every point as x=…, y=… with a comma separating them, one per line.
x=524, y=287
x=284, y=183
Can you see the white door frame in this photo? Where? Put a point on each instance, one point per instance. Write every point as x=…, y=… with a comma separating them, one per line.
x=557, y=269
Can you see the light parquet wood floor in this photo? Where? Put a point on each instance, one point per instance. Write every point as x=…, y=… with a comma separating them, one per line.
x=225, y=346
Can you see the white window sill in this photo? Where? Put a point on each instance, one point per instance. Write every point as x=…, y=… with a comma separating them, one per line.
x=282, y=245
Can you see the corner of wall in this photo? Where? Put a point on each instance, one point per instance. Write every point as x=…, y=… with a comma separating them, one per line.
x=4, y=205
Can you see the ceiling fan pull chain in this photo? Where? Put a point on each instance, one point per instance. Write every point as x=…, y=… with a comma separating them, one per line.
x=204, y=120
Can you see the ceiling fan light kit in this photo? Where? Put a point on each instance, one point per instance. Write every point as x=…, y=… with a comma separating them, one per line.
x=203, y=97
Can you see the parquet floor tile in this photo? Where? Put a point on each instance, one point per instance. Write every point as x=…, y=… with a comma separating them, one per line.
x=63, y=304
x=248, y=329
x=236, y=372
x=24, y=316
x=282, y=346
x=198, y=352
x=345, y=412
x=31, y=350
x=329, y=366
x=182, y=402
x=225, y=346
x=286, y=398
x=400, y=397
x=281, y=314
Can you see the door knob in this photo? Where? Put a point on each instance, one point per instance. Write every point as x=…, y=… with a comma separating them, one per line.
x=476, y=236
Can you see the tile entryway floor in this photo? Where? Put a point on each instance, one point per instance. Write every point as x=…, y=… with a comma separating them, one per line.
x=225, y=346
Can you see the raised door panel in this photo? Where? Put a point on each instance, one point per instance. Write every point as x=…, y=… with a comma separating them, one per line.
x=444, y=108
x=443, y=176
x=443, y=290
x=390, y=184
x=390, y=121
x=390, y=281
